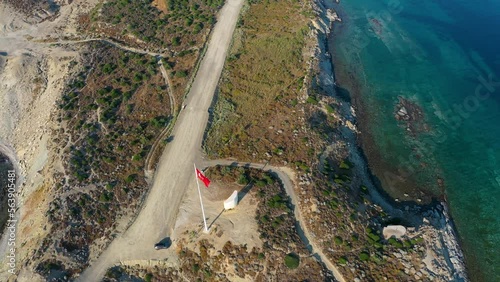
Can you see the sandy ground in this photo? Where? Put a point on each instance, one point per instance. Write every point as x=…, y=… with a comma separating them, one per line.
x=31, y=82
x=32, y=77
x=237, y=225
x=174, y=173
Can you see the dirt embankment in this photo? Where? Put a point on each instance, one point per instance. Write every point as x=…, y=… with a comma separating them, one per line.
x=32, y=82
x=33, y=76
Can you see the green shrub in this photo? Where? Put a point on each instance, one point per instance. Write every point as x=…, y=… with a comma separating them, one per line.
x=364, y=189
x=181, y=74
x=138, y=77
x=353, y=217
x=342, y=260
x=108, y=68
x=176, y=41
x=338, y=181
x=364, y=256
x=276, y=202
x=260, y=183
x=292, y=261
x=329, y=109
x=197, y=28
x=184, y=53
x=129, y=108
x=158, y=121
x=338, y=240
x=79, y=84
x=395, y=242
x=278, y=151
x=302, y=166
x=207, y=273
x=311, y=100
x=415, y=241
x=268, y=179
x=243, y=180
x=374, y=237
x=130, y=178
x=110, y=186
x=113, y=273
x=344, y=165
x=333, y=204
x=264, y=219
x=105, y=197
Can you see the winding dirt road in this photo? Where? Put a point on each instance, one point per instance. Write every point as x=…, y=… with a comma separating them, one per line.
x=110, y=42
x=173, y=175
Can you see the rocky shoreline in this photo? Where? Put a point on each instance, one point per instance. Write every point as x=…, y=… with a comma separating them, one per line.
x=444, y=260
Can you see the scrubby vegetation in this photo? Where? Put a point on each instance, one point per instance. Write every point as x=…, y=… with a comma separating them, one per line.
x=176, y=29
x=351, y=225
x=111, y=114
x=171, y=24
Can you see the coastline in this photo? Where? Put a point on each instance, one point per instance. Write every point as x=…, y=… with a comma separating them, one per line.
x=444, y=254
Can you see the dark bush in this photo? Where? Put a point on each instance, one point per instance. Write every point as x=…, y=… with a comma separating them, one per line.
x=292, y=261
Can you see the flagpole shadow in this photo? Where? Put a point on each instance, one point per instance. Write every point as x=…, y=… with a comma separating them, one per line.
x=215, y=219
x=243, y=192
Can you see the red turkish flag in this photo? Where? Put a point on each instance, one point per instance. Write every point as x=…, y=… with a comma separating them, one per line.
x=202, y=177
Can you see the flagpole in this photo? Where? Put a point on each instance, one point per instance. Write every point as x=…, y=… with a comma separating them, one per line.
x=201, y=201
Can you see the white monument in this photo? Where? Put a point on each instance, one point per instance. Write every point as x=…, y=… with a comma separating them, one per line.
x=232, y=201
x=397, y=231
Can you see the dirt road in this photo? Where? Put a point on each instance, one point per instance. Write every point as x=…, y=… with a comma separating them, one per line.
x=173, y=175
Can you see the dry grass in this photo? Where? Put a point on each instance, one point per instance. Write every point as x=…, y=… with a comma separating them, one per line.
x=255, y=113
x=32, y=231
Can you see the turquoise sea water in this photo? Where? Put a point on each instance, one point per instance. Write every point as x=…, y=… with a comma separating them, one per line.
x=444, y=55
